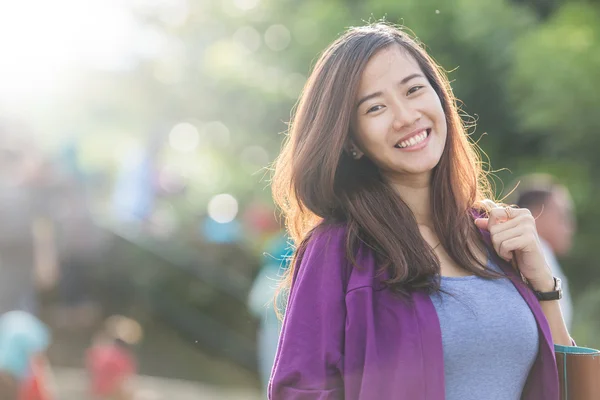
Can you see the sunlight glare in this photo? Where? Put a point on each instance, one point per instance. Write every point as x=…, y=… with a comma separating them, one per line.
x=42, y=43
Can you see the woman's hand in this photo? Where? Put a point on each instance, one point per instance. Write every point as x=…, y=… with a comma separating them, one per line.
x=514, y=235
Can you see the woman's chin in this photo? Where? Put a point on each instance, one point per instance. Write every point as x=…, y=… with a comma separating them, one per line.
x=410, y=177
x=423, y=167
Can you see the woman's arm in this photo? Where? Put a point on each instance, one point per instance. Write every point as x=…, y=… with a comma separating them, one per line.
x=551, y=309
x=514, y=237
x=309, y=356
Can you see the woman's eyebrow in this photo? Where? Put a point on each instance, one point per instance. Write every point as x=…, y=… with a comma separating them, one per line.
x=368, y=97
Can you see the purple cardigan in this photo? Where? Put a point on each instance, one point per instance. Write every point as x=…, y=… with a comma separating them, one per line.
x=346, y=337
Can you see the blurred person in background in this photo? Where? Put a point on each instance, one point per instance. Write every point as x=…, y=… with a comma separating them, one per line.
x=78, y=244
x=552, y=206
x=60, y=242
x=110, y=361
x=135, y=189
x=260, y=301
x=402, y=287
x=24, y=369
x=27, y=243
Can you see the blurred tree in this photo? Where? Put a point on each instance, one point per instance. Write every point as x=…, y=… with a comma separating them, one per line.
x=554, y=89
x=543, y=8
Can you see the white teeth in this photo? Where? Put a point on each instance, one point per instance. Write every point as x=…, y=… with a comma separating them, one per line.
x=413, y=140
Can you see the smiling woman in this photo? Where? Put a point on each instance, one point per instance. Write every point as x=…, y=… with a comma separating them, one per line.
x=400, y=287
x=401, y=113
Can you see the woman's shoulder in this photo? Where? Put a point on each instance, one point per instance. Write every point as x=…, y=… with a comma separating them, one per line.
x=325, y=241
x=327, y=249
x=327, y=232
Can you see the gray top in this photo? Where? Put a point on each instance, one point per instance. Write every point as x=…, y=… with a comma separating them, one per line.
x=489, y=335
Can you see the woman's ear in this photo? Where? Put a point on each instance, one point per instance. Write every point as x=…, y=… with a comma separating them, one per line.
x=354, y=151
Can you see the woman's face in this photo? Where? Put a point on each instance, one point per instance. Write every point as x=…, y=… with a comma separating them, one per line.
x=398, y=122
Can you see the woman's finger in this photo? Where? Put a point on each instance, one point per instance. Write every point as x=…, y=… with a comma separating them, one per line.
x=506, y=234
x=508, y=246
x=500, y=215
x=521, y=220
x=482, y=223
x=500, y=238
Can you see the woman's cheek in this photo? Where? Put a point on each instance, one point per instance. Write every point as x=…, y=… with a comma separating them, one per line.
x=378, y=126
x=372, y=132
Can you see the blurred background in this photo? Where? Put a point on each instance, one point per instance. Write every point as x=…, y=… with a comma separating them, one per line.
x=135, y=144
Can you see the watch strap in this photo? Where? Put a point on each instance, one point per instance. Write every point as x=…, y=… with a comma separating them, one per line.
x=555, y=294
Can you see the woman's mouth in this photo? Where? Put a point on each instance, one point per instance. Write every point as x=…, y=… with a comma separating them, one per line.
x=414, y=141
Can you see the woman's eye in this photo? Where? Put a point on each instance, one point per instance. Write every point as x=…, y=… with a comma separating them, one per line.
x=415, y=88
x=374, y=108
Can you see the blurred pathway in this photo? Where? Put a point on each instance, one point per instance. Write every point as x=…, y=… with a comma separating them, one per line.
x=71, y=385
x=186, y=370
x=163, y=352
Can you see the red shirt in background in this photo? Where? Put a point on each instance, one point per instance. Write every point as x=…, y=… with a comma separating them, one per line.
x=109, y=365
x=37, y=385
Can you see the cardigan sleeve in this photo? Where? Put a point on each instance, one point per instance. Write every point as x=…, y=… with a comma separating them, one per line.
x=309, y=359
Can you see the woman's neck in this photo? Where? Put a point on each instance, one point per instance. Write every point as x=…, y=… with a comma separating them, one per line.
x=416, y=194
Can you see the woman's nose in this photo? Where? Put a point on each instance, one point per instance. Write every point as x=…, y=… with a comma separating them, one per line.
x=405, y=115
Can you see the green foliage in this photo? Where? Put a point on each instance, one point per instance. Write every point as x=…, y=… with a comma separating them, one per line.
x=554, y=89
x=586, y=321
x=555, y=84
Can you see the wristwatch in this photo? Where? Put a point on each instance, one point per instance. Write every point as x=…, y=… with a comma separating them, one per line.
x=556, y=294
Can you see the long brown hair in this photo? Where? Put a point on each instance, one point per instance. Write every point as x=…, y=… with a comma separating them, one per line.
x=316, y=181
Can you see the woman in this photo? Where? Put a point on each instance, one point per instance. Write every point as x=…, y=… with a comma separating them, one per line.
x=401, y=287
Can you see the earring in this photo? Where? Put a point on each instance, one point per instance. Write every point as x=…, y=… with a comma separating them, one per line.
x=354, y=153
